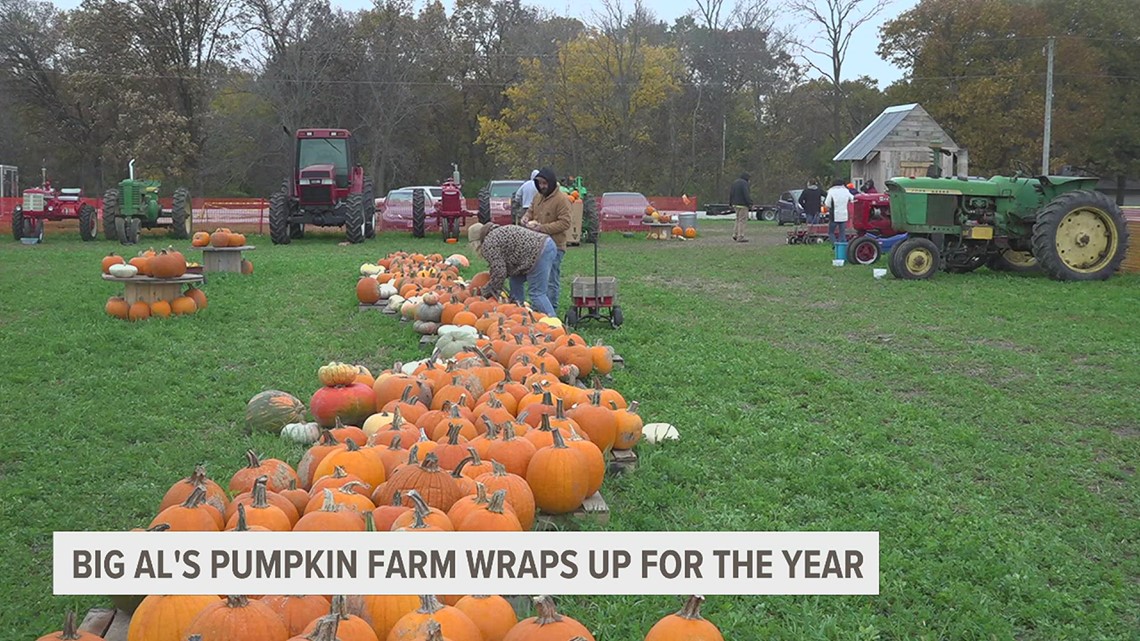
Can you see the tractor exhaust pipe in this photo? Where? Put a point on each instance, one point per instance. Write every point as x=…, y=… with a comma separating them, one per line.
x=131, y=167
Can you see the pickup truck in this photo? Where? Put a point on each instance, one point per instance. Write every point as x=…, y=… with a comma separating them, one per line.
x=761, y=212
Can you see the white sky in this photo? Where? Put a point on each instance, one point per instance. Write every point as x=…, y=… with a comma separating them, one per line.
x=861, y=58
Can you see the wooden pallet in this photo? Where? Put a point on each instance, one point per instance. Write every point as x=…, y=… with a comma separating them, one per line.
x=1131, y=262
x=110, y=623
x=428, y=341
x=621, y=461
x=594, y=509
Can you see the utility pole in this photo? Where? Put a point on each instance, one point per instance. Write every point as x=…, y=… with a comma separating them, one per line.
x=723, y=147
x=1048, y=107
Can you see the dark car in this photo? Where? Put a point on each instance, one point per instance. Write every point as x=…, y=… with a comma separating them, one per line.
x=788, y=209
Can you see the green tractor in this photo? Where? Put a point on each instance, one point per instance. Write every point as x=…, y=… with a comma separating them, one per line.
x=134, y=204
x=589, y=208
x=1058, y=224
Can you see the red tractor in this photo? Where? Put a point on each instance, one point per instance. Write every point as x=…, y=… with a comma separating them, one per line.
x=327, y=189
x=870, y=217
x=47, y=203
x=449, y=208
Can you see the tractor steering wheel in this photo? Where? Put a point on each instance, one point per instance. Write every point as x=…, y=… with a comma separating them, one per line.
x=1023, y=170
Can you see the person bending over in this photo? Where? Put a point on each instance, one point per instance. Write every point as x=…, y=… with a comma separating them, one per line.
x=520, y=255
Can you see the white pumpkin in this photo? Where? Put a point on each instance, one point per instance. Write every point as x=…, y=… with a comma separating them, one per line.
x=458, y=260
x=449, y=345
x=123, y=271
x=656, y=432
x=377, y=422
x=458, y=330
x=302, y=433
x=387, y=290
x=369, y=269
x=395, y=302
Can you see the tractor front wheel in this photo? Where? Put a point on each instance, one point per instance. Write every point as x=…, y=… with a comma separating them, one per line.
x=418, y=213
x=110, y=213
x=368, y=201
x=863, y=250
x=181, y=215
x=1080, y=235
x=484, y=205
x=915, y=259
x=354, y=218
x=279, y=231
x=88, y=222
x=17, y=223
x=1011, y=260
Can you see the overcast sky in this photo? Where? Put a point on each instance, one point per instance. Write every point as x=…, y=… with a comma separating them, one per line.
x=861, y=58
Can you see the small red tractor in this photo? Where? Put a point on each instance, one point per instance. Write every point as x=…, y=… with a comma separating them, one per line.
x=47, y=203
x=874, y=236
x=327, y=189
x=449, y=209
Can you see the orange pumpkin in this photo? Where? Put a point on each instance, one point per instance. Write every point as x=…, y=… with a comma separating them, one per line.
x=559, y=477
x=117, y=307
x=350, y=627
x=183, y=306
x=192, y=515
x=330, y=518
x=455, y=624
x=496, y=516
x=279, y=474
x=111, y=259
x=160, y=308
x=238, y=617
x=166, y=618
x=70, y=632
x=261, y=512
x=219, y=238
x=197, y=295
x=385, y=610
x=519, y=493
x=547, y=625
x=691, y=232
x=493, y=614
x=200, y=239
x=434, y=484
x=685, y=624
x=179, y=492
x=297, y=612
x=138, y=310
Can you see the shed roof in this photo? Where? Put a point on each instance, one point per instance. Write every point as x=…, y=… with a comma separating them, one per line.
x=880, y=128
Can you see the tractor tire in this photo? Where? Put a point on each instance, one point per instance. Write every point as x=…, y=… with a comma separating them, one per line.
x=915, y=259
x=418, y=213
x=354, y=218
x=589, y=220
x=127, y=230
x=368, y=199
x=181, y=215
x=1080, y=235
x=88, y=222
x=279, y=228
x=110, y=213
x=1009, y=260
x=484, y=205
x=17, y=223
x=863, y=250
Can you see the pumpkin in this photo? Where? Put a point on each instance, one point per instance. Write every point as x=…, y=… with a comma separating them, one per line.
x=598, y=422
x=302, y=433
x=139, y=310
x=181, y=490
x=330, y=518
x=241, y=525
x=454, y=623
x=183, y=306
x=192, y=515
x=368, y=290
x=629, y=427
x=364, y=463
x=198, y=296
x=238, y=617
x=513, y=452
x=167, y=264
x=559, y=477
x=548, y=625
x=385, y=515
x=425, y=328
x=465, y=505
x=383, y=611
x=595, y=462
x=160, y=308
x=261, y=512
x=312, y=457
x=429, y=310
x=336, y=373
x=338, y=479
x=691, y=232
x=377, y=422
x=603, y=357
x=237, y=240
x=246, y=266
x=348, y=496
x=344, y=433
x=116, y=306
x=351, y=402
x=421, y=510
x=70, y=632
x=200, y=239
x=297, y=612
x=519, y=493
x=277, y=499
x=112, y=259
x=435, y=485
x=496, y=516
x=685, y=624
x=278, y=473
x=166, y=617
x=350, y=628
x=297, y=496
x=220, y=238
x=494, y=615
x=475, y=467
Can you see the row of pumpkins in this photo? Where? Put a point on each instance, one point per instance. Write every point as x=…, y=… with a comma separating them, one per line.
x=190, y=302
x=221, y=237
x=371, y=618
x=165, y=263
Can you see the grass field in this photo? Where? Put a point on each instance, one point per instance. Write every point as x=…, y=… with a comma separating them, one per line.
x=987, y=425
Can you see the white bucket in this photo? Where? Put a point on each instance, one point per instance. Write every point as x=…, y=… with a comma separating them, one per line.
x=878, y=273
x=838, y=262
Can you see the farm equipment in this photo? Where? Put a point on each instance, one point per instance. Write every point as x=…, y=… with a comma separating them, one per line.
x=589, y=209
x=871, y=221
x=1058, y=223
x=449, y=208
x=594, y=298
x=47, y=203
x=134, y=205
x=325, y=189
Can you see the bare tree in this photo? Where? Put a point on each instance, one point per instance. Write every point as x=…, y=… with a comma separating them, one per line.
x=838, y=20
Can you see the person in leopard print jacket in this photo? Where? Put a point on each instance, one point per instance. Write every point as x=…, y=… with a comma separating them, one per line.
x=520, y=255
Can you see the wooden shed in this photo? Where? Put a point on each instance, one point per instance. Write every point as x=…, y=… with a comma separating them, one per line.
x=899, y=143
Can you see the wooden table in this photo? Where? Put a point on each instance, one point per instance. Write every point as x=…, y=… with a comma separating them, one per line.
x=223, y=259
x=149, y=290
x=659, y=231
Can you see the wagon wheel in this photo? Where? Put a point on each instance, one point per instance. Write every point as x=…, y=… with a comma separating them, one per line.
x=88, y=222
x=616, y=318
x=110, y=213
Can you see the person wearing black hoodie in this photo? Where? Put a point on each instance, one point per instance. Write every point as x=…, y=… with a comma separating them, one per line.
x=550, y=214
x=741, y=200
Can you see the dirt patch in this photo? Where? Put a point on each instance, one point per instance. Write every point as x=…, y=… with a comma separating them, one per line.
x=720, y=234
x=1128, y=431
x=709, y=287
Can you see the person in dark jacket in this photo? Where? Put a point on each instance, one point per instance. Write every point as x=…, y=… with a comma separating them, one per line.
x=811, y=199
x=741, y=200
x=869, y=187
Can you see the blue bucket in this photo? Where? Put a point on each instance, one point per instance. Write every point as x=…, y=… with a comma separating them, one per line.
x=840, y=251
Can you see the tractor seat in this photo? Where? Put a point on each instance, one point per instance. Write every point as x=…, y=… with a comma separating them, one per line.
x=151, y=189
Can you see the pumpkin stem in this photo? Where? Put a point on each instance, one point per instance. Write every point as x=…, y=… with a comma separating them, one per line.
x=492, y=429
x=481, y=494
x=397, y=498
x=546, y=426
x=198, y=477
x=159, y=527
x=433, y=631
x=559, y=408
x=429, y=604
x=497, y=468
x=395, y=443
x=260, y=498
x=339, y=607
x=407, y=394
x=453, y=433
x=418, y=502
x=241, y=526
x=350, y=487
x=325, y=629
x=632, y=409
x=196, y=498
x=423, y=436
x=252, y=459
x=339, y=424
x=292, y=484
x=414, y=454
x=329, y=505
x=339, y=472
x=237, y=601
x=497, y=501
x=70, y=631
x=397, y=419
x=458, y=471
x=547, y=614
x=692, y=608
x=559, y=442
x=327, y=437
x=475, y=460
x=431, y=462
x=351, y=445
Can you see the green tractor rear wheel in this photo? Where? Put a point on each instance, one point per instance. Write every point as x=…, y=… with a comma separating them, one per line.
x=915, y=259
x=1011, y=260
x=181, y=215
x=1080, y=235
x=110, y=213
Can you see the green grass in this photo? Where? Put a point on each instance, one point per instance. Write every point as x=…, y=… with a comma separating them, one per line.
x=984, y=424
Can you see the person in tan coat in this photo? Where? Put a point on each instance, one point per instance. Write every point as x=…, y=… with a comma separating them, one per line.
x=550, y=214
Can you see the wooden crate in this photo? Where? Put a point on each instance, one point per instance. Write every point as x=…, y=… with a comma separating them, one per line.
x=621, y=461
x=1131, y=262
x=110, y=623
x=594, y=509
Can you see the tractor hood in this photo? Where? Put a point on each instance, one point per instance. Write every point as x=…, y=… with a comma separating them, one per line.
x=946, y=186
x=322, y=171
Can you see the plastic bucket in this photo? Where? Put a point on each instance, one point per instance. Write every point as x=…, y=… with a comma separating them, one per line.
x=840, y=251
x=687, y=220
